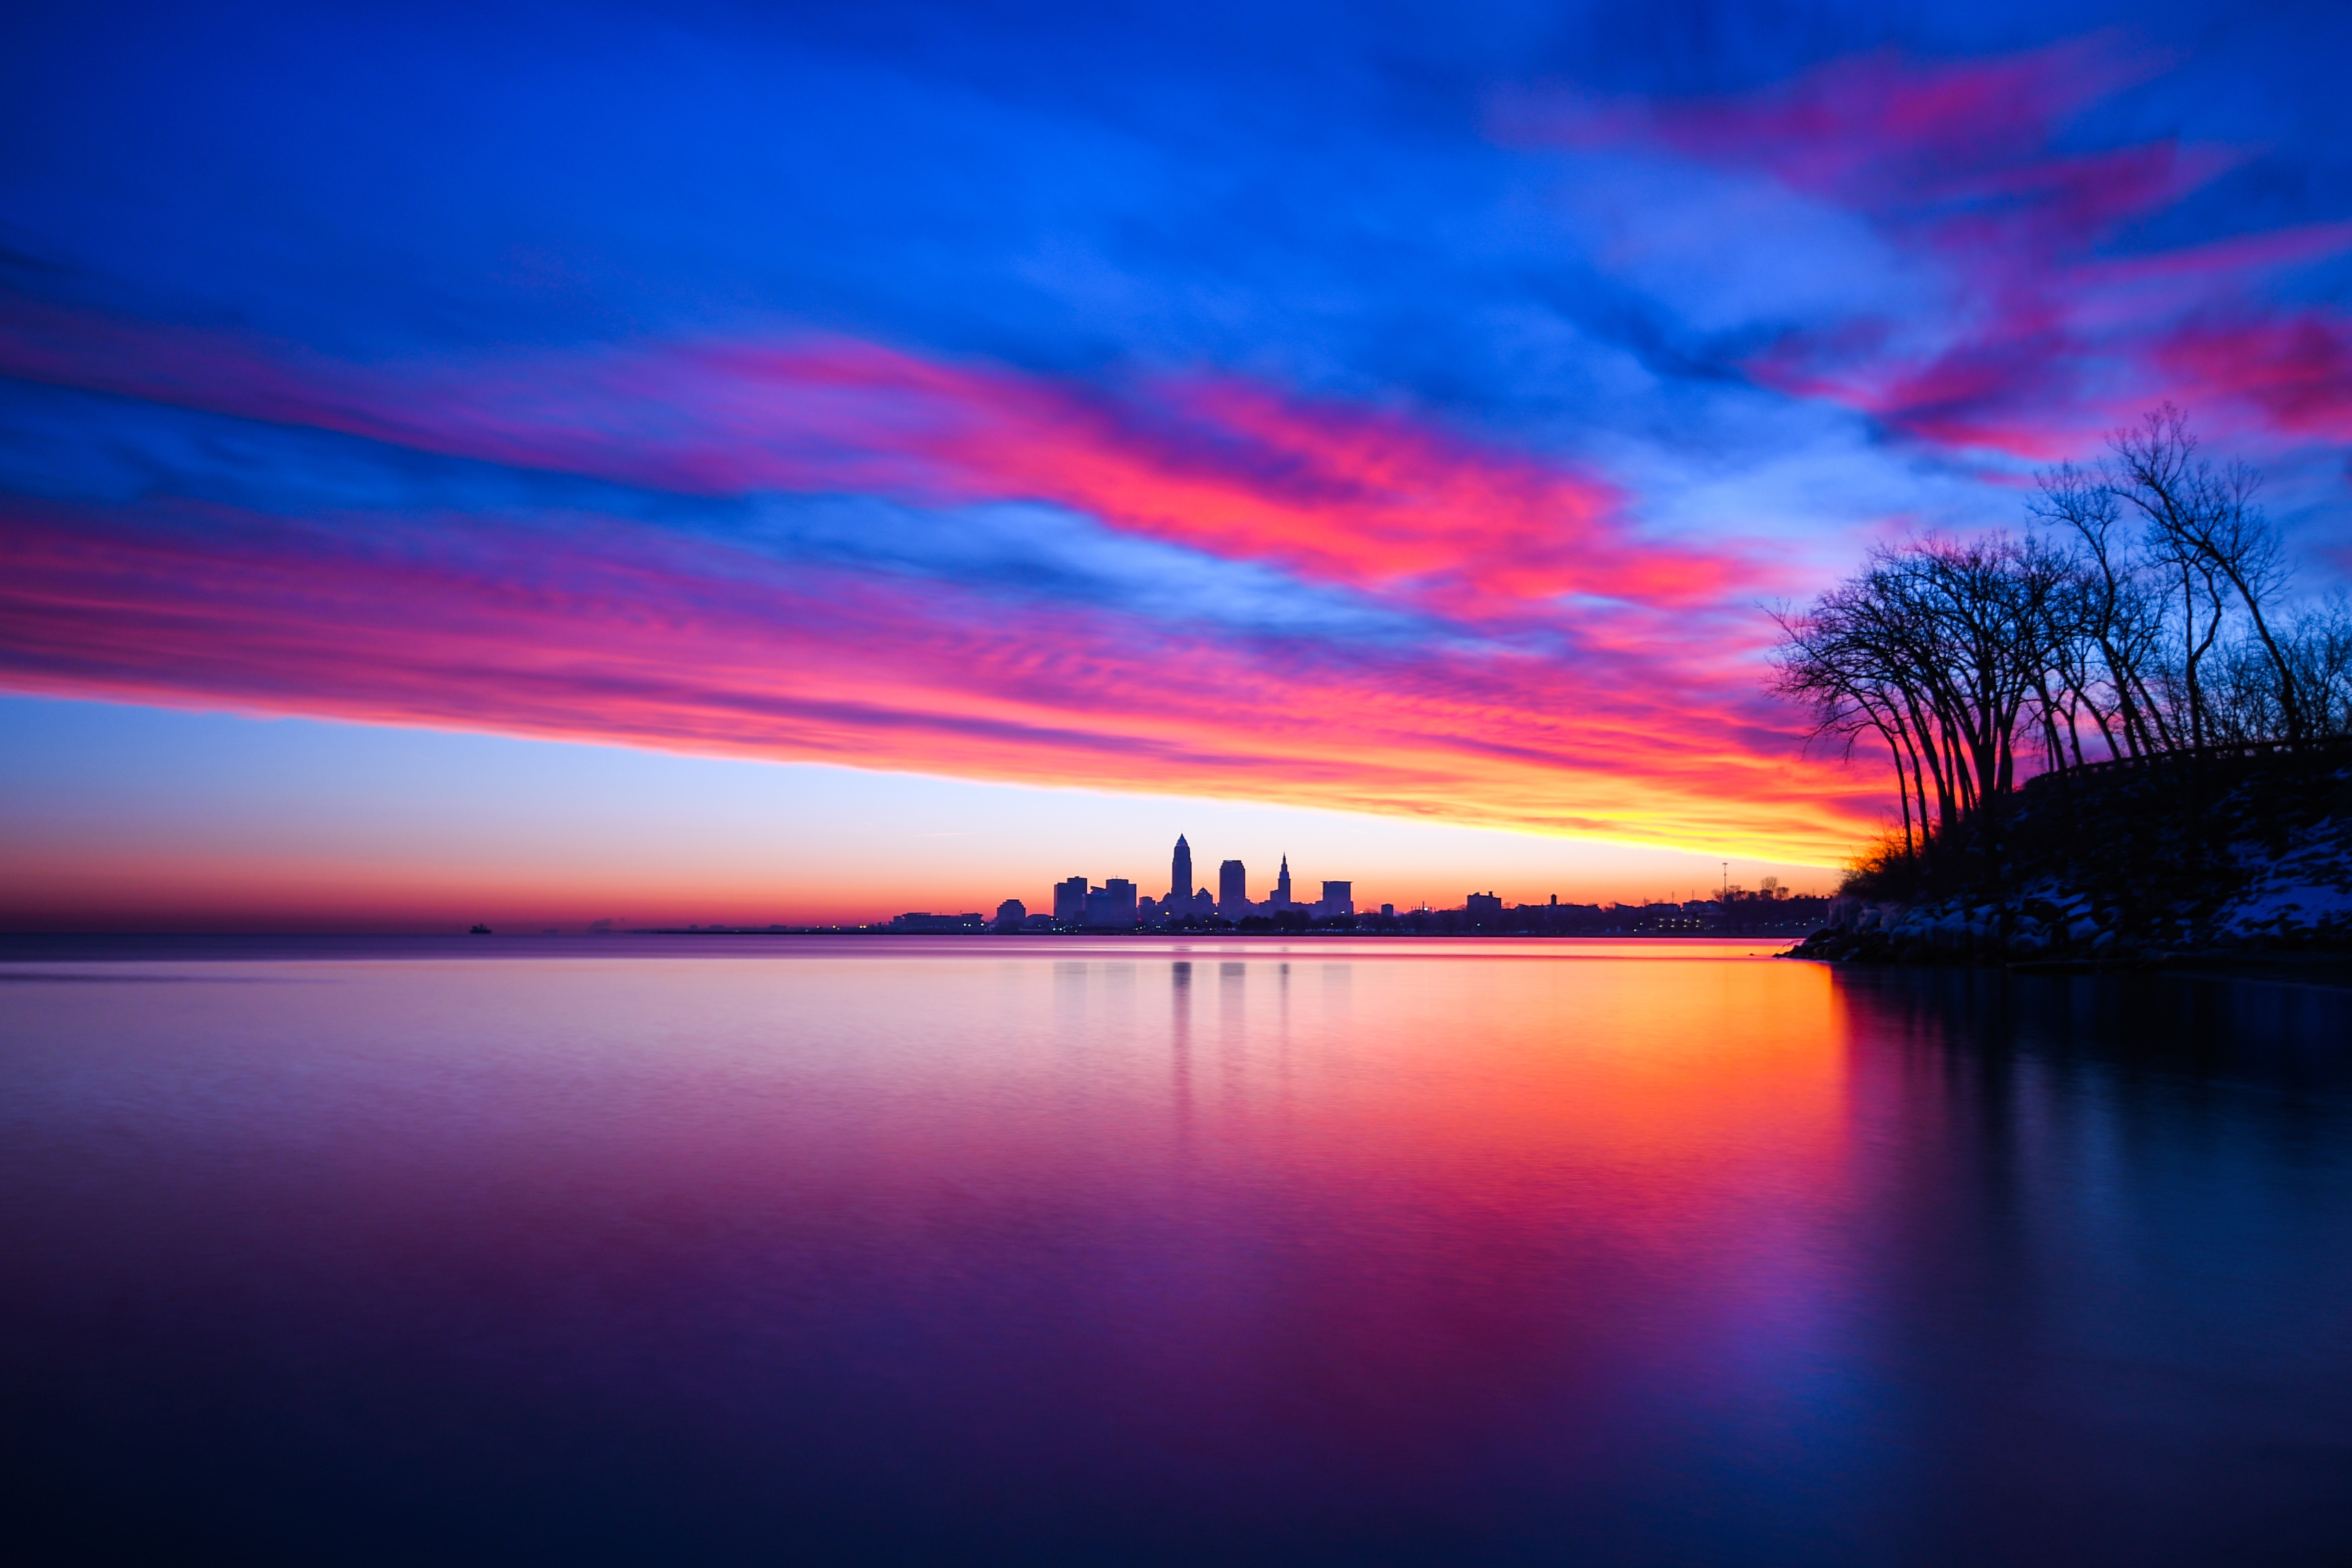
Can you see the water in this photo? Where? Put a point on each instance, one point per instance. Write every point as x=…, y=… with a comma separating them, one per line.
x=1008, y=1251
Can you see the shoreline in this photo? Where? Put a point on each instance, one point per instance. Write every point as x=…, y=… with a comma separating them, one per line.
x=2330, y=969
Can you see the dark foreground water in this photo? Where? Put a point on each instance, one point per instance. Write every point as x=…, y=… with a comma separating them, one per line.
x=803, y=1250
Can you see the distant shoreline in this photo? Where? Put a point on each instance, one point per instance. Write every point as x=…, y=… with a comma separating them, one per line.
x=1789, y=934
x=19, y=947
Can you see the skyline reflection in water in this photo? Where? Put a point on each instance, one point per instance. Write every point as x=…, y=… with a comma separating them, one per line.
x=980, y=1250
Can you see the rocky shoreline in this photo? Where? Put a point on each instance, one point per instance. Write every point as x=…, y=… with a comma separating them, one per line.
x=2073, y=934
x=2251, y=864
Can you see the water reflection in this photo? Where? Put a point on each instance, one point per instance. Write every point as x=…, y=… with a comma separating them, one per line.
x=1179, y=1025
x=2112, y=1221
x=1492, y=1256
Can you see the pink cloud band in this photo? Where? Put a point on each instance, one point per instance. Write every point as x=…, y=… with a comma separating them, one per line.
x=617, y=632
x=2046, y=315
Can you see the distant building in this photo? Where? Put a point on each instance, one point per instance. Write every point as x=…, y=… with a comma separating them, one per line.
x=1010, y=914
x=1339, y=899
x=1483, y=911
x=1281, y=900
x=1233, y=891
x=1180, y=874
x=1111, y=906
x=1070, y=901
x=931, y=922
x=1388, y=912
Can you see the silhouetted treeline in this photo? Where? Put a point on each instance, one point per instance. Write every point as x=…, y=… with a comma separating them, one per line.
x=2147, y=612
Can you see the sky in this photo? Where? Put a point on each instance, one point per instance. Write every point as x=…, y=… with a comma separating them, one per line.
x=727, y=462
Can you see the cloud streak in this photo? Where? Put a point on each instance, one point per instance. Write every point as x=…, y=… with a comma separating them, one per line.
x=1338, y=495
x=613, y=631
x=2037, y=305
x=1470, y=690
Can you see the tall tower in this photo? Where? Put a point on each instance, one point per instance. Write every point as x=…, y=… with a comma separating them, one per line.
x=1282, y=886
x=1180, y=875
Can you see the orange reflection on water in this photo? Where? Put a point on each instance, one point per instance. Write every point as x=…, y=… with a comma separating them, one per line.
x=1207, y=1248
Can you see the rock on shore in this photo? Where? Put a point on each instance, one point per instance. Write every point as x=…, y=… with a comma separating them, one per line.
x=2136, y=868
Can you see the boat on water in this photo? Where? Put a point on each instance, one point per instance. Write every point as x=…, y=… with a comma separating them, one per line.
x=479, y=930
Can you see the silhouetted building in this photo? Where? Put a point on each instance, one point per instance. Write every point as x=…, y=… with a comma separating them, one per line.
x=1179, y=873
x=1483, y=911
x=1233, y=891
x=1070, y=901
x=1111, y=906
x=931, y=922
x=1281, y=900
x=1339, y=899
x=1010, y=914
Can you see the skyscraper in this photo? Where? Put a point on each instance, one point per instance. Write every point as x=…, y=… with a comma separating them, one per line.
x=1282, y=886
x=1180, y=874
x=1070, y=901
x=1112, y=905
x=1233, y=891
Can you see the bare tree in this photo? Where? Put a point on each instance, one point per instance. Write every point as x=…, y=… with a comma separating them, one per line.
x=2142, y=616
x=1942, y=650
x=2206, y=526
x=1826, y=662
x=2122, y=623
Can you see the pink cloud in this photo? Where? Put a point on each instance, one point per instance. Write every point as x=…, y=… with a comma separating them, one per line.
x=1876, y=129
x=616, y=632
x=1339, y=495
x=2298, y=371
x=1363, y=499
x=1651, y=729
x=2049, y=324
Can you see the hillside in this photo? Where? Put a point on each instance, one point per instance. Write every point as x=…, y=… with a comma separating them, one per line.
x=2228, y=852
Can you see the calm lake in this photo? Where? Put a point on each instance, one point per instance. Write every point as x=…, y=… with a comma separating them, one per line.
x=808, y=1249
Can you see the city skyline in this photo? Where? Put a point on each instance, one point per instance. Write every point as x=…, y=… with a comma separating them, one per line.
x=1079, y=904
x=556, y=834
